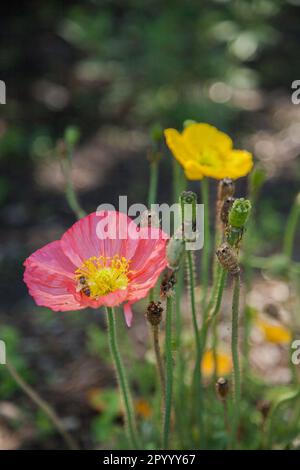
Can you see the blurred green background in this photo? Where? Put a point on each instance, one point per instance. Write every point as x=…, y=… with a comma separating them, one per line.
x=115, y=69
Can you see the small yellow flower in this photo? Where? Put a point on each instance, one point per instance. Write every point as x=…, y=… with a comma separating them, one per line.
x=274, y=333
x=224, y=364
x=203, y=150
x=143, y=408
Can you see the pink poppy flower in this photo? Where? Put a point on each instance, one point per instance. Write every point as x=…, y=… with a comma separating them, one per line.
x=103, y=259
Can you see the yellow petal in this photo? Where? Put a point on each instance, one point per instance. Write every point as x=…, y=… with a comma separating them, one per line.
x=238, y=163
x=277, y=334
x=192, y=170
x=224, y=364
x=177, y=146
x=201, y=137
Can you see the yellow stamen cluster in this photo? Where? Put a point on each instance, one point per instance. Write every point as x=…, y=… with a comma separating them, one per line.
x=99, y=276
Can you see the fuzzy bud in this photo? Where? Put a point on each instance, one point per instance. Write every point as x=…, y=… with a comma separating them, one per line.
x=71, y=136
x=239, y=213
x=222, y=388
x=226, y=188
x=167, y=284
x=226, y=206
x=174, y=252
x=154, y=313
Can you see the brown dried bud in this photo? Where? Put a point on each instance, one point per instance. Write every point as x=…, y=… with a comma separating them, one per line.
x=154, y=313
x=226, y=189
x=227, y=204
x=222, y=388
x=167, y=284
x=228, y=259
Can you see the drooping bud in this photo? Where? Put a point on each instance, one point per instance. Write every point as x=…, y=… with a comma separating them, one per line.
x=174, y=252
x=226, y=188
x=239, y=213
x=227, y=204
x=188, y=204
x=228, y=259
x=154, y=313
x=222, y=388
x=167, y=284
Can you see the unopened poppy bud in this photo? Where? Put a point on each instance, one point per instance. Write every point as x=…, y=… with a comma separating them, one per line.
x=188, y=204
x=222, y=388
x=71, y=136
x=239, y=213
x=228, y=259
x=298, y=199
x=167, y=284
x=149, y=219
x=226, y=188
x=174, y=251
x=154, y=313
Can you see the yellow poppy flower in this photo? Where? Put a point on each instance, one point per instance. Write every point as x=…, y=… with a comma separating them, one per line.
x=224, y=364
x=143, y=408
x=203, y=150
x=274, y=333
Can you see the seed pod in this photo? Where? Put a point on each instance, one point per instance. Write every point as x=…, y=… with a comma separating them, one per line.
x=167, y=284
x=228, y=259
x=149, y=219
x=239, y=213
x=222, y=388
x=226, y=188
x=227, y=204
x=154, y=313
x=174, y=252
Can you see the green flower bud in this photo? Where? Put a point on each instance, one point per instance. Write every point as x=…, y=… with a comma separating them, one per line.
x=157, y=133
x=174, y=252
x=71, y=136
x=239, y=212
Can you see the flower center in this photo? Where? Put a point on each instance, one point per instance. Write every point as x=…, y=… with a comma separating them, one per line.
x=99, y=276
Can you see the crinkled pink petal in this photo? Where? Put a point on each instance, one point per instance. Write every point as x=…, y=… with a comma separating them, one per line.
x=103, y=234
x=128, y=314
x=49, y=276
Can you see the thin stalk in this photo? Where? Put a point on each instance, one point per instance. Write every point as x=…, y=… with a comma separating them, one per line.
x=206, y=247
x=218, y=294
x=197, y=368
x=290, y=230
x=235, y=356
x=159, y=362
x=43, y=405
x=70, y=192
x=152, y=194
x=122, y=379
x=169, y=373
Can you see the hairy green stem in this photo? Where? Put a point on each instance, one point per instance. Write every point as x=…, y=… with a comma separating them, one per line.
x=235, y=356
x=70, y=192
x=206, y=247
x=169, y=373
x=159, y=362
x=122, y=379
x=43, y=405
x=290, y=230
x=152, y=194
x=197, y=368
